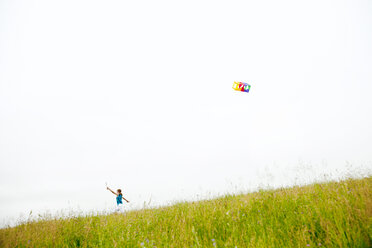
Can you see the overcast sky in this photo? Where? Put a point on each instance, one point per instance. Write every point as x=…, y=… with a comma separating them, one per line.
x=139, y=94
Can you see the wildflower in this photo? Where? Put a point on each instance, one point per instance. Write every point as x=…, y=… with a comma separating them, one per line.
x=142, y=244
x=320, y=244
x=214, y=244
x=212, y=240
x=147, y=240
x=308, y=245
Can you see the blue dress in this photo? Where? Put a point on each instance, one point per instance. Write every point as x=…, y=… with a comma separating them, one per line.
x=119, y=199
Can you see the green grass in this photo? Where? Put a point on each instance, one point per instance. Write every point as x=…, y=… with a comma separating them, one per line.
x=335, y=214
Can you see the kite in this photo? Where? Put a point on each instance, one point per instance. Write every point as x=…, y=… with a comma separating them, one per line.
x=240, y=86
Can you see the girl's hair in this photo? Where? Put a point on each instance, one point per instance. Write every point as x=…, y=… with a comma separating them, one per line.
x=119, y=190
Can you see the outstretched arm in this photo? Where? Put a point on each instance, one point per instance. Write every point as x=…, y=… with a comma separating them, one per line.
x=112, y=191
x=124, y=198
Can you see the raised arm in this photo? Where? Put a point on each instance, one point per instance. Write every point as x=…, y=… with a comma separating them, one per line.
x=112, y=191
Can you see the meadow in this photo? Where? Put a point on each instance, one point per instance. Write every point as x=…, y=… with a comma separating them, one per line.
x=331, y=214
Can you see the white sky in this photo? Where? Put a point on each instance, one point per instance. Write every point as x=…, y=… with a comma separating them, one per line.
x=139, y=94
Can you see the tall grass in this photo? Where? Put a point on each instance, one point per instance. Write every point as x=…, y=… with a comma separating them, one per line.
x=335, y=214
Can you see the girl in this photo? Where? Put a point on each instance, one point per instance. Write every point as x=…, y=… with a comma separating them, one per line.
x=119, y=202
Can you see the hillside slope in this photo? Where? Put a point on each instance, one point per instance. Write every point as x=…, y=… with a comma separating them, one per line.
x=319, y=215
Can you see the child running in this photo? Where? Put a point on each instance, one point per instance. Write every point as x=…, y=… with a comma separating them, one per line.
x=119, y=198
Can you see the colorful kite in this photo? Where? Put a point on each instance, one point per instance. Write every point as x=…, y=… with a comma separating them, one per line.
x=240, y=86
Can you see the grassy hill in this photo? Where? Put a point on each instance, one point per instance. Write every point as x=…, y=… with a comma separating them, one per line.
x=335, y=214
